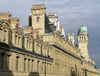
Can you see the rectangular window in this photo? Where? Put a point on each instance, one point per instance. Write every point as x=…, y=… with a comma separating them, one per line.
x=2, y=61
x=0, y=35
x=4, y=36
x=38, y=66
x=19, y=41
x=8, y=61
x=30, y=45
x=24, y=64
x=27, y=43
x=16, y=63
x=28, y=64
x=32, y=66
x=42, y=67
x=15, y=39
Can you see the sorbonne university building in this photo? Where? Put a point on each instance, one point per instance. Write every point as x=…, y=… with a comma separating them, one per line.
x=41, y=48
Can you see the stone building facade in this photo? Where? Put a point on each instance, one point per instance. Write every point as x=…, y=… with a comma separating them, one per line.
x=40, y=50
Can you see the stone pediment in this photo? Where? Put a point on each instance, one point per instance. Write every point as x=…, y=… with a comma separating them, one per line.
x=30, y=36
x=19, y=31
x=4, y=24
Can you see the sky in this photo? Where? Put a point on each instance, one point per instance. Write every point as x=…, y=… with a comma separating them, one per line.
x=71, y=13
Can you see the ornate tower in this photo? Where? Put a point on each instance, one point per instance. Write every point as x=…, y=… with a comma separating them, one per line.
x=38, y=17
x=71, y=37
x=83, y=41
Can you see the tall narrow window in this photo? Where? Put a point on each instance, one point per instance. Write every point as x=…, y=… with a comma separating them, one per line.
x=4, y=36
x=0, y=35
x=42, y=67
x=28, y=64
x=38, y=19
x=38, y=66
x=24, y=64
x=2, y=61
x=16, y=63
x=32, y=66
x=30, y=45
x=8, y=61
x=19, y=41
x=15, y=39
x=27, y=43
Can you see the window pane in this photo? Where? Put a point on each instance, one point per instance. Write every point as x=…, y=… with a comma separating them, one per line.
x=32, y=66
x=24, y=64
x=28, y=64
x=8, y=62
x=2, y=61
x=16, y=63
x=4, y=36
x=18, y=40
x=0, y=34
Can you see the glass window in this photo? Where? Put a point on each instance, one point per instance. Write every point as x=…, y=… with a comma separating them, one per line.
x=38, y=66
x=0, y=35
x=38, y=19
x=8, y=61
x=28, y=64
x=4, y=36
x=2, y=61
x=24, y=64
x=18, y=40
x=15, y=39
x=27, y=43
x=30, y=45
x=32, y=66
x=16, y=63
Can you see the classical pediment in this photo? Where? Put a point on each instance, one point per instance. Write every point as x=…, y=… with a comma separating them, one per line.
x=19, y=31
x=5, y=24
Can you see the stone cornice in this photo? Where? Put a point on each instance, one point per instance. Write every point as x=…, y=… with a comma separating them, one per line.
x=12, y=48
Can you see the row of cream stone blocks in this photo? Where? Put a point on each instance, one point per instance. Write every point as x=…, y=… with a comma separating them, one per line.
x=36, y=68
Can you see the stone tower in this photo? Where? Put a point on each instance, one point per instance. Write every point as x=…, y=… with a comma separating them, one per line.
x=71, y=37
x=38, y=17
x=83, y=41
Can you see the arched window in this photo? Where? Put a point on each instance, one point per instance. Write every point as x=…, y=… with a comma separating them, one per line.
x=80, y=38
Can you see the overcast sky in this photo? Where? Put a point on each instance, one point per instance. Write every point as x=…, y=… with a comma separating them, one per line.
x=71, y=13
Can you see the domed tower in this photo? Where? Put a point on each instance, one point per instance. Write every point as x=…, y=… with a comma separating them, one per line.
x=83, y=41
